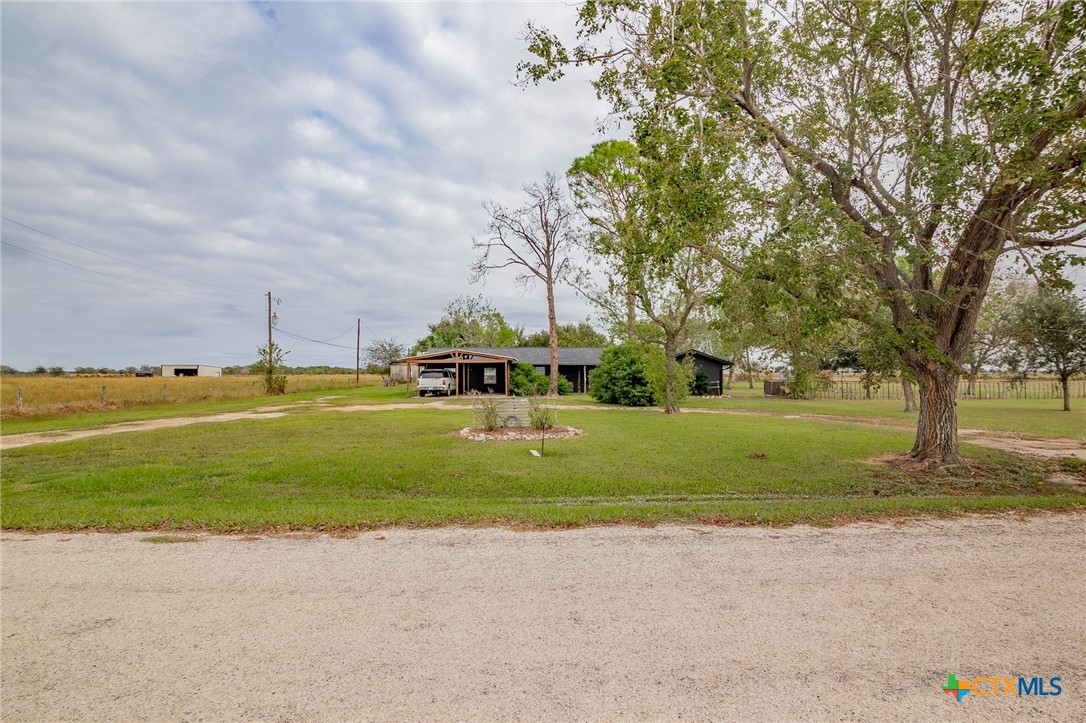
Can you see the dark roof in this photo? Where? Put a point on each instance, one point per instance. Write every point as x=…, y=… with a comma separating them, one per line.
x=540, y=356
x=697, y=353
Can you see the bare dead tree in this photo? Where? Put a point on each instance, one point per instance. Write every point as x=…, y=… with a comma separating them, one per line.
x=531, y=239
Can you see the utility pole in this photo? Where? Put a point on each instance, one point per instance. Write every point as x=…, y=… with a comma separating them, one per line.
x=270, y=370
x=358, y=353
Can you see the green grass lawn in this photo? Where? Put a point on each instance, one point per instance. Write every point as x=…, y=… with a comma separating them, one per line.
x=327, y=469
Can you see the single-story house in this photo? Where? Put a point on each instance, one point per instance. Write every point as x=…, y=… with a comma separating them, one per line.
x=486, y=369
x=574, y=362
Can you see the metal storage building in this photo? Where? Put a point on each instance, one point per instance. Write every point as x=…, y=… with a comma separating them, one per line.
x=190, y=370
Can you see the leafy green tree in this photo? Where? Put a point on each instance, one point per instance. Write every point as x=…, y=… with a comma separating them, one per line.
x=622, y=376
x=938, y=136
x=271, y=367
x=533, y=240
x=994, y=323
x=569, y=335
x=56, y=371
x=607, y=185
x=469, y=321
x=1048, y=334
x=656, y=226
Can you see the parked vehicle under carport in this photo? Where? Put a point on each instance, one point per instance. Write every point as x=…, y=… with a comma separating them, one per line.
x=437, y=381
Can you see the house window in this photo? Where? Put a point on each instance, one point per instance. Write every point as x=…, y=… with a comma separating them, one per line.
x=490, y=375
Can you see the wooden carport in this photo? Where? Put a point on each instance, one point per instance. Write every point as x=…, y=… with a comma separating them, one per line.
x=462, y=361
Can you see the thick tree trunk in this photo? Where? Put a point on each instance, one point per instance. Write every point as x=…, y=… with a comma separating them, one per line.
x=937, y=427
x=631, y=311
x=1066, y=384
x=971, y=386
x=910, y=398
x=552, y=320
x=731, y=376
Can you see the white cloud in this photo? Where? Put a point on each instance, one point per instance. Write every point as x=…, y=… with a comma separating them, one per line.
x=336, y=154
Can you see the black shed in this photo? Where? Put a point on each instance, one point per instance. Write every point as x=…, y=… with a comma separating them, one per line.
x=711, y=366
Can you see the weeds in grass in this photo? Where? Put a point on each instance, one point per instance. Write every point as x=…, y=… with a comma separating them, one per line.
x=484, y=412
x=541, y=415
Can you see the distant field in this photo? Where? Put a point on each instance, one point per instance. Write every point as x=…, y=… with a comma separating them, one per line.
x=43, y=395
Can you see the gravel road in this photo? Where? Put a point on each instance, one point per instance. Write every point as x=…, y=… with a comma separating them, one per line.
x=863, y=621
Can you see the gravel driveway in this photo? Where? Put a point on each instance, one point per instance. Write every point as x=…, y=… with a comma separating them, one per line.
x=862, y=621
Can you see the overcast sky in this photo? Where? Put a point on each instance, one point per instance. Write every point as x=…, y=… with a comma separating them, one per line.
x=334, y=154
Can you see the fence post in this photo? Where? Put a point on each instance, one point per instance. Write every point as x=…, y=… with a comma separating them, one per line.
x=163, y=391
x=103, y=394
x=19, y=400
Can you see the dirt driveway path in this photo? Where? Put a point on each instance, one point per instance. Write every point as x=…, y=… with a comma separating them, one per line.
x=857, y=622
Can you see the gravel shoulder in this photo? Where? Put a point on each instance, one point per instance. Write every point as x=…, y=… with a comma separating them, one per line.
x=862, y=621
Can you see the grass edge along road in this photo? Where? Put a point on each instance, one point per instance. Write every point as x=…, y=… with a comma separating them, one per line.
x=314, y=470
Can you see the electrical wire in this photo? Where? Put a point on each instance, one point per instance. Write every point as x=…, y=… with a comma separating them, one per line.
x=118, y=278
x=368, y=329
x=126, y=261
x=315, y=341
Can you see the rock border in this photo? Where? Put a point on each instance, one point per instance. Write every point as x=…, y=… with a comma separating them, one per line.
x=517, y=434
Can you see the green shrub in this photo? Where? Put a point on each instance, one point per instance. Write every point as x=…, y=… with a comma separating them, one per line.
x=540, y=415
x=525, y=381
x=622, y=376
x=699, y=385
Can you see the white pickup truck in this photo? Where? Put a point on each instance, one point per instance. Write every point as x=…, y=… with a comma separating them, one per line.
x=437, y=381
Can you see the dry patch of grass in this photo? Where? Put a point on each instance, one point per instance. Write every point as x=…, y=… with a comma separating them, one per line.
x=170, y=539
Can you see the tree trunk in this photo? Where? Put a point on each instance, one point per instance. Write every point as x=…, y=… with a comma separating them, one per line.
x=971, y=386
x=552, y=320
x=910, y=398
x=631, y=311
x=750, y=368
x=731, y=375
x=937, y=427
x=1065, y=382
x=671, y=375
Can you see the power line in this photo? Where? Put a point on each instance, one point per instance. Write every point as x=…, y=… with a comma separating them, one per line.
x=315, y=341
x=126, y=261
x=368, y=329
x=118, y=278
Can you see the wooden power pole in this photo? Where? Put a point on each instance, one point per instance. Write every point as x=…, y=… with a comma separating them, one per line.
x=270, y=370
x=358, y=353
